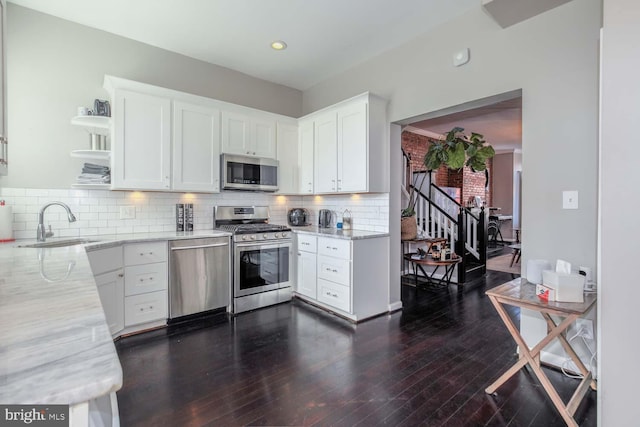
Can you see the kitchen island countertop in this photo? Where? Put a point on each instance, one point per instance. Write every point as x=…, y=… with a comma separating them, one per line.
x=55, y=345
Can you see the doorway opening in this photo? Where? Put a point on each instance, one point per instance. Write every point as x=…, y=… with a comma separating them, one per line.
x=479, y=213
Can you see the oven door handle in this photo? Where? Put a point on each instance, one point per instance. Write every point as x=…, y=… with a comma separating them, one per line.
x=182, y=248
x=265, y=245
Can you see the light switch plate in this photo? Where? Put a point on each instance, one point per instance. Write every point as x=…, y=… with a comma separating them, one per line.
x=127, y=212
x=569, y=200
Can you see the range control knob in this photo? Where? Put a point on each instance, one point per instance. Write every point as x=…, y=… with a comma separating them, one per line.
x=275, y=235
x=266, y=236
x=244, y=237
x=253, y=237
x=284, y=235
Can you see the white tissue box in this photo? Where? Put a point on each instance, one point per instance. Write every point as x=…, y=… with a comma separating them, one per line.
x=567, y=287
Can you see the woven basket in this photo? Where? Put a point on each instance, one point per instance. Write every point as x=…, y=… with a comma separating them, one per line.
x=408, y=228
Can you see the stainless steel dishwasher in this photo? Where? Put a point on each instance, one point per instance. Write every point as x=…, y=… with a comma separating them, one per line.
x=199, y=275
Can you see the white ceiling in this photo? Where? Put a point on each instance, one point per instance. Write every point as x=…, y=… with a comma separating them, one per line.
x=325, y=37
x=500, y=123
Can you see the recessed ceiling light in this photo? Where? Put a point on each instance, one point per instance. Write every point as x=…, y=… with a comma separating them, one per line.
x=278, y=45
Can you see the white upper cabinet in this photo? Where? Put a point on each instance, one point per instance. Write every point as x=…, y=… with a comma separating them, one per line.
x=141, y=141
x=196, y=148
x=326, y=153
x=4, y=152
x=287, y=137
x=248, y=135
x=305, y=156
x=351, y=147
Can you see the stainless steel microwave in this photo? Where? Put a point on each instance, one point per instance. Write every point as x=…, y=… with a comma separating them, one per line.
x=249, y=173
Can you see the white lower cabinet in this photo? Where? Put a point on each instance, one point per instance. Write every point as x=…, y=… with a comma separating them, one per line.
x=306, y=265
x=307, y=277
x=145, y=308
x=351, y=276
x=108, y=272
x=146, y=283
x=132, y=281
x=334, y=269
x=111, y=290
x=140, y=279
x=336, y=295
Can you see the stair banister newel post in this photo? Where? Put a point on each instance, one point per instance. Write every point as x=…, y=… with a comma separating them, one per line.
x=460, y=247
x=483, y=236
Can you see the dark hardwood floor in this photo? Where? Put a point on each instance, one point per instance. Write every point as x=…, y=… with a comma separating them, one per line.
x=294, y=364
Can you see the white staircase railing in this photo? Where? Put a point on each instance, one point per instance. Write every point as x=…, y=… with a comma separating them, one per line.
x=443, y=217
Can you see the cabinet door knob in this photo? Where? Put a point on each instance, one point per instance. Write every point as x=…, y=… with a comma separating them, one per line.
x=120, y=275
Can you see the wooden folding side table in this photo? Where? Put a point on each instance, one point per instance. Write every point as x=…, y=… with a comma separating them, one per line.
x=521, y=293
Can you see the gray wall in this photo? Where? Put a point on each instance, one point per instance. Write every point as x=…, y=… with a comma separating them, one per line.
x=619, y=292
x=502, y=188
x=54, y=66
x=553, y=58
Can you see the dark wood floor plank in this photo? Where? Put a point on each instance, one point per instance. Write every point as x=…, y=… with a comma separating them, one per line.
x=294, y=364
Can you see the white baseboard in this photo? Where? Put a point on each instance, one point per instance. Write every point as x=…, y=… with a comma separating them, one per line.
x=395, y=306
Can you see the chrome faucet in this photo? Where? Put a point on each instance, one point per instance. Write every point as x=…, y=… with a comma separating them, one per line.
x=42, y=233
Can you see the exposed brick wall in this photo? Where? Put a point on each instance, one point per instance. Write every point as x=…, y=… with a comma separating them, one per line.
x=415, y=145
x=471, y=184
x=474, y=185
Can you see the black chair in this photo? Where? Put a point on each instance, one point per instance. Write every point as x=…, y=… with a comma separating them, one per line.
x=493, y=231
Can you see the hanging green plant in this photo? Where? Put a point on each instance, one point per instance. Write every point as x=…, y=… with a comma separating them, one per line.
x=457, y=150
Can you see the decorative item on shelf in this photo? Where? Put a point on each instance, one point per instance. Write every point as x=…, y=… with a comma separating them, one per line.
x=97, y=142
x=101, y=108
x=420, y=254
x=93, y=174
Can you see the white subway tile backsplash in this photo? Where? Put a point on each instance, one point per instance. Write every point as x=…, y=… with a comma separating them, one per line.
x=98, y=211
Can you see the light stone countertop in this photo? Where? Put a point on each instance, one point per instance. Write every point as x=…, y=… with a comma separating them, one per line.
x=55, y=345
x=338, y=233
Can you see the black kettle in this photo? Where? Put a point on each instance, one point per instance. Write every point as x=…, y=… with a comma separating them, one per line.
x=325, y=216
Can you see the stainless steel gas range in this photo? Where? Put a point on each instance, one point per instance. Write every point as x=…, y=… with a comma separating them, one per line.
x=262, y=256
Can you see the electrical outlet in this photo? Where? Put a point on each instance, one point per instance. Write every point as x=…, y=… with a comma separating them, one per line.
x=585, y=326
x=127, y=212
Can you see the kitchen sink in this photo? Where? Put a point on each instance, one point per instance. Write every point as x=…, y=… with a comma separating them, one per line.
x=59, y=243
